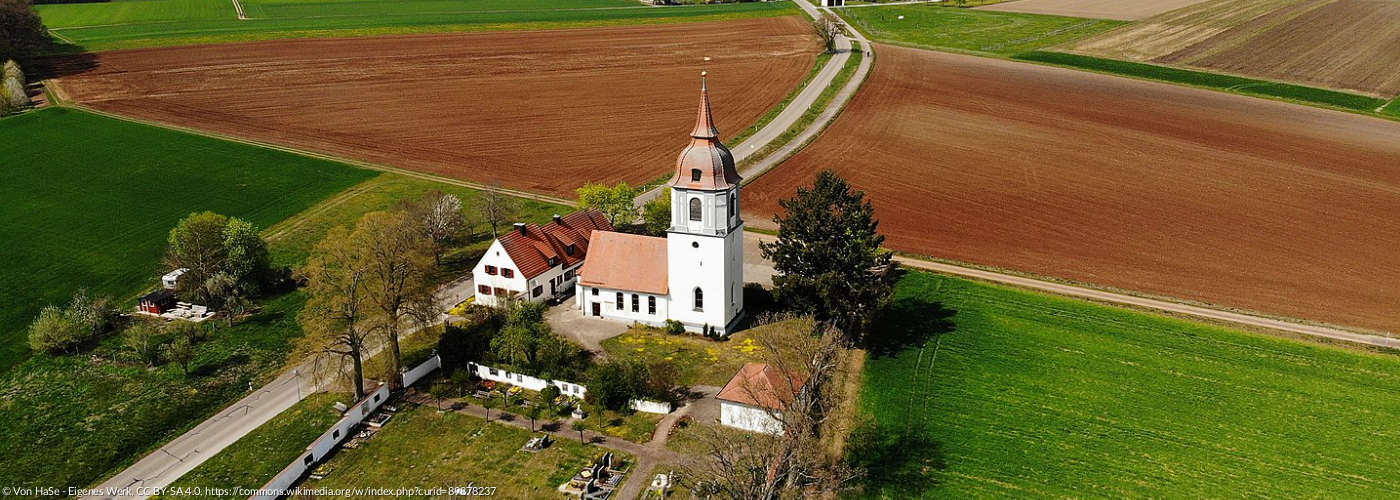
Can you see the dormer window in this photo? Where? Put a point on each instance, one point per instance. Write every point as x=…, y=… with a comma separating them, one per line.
x=553, y=261
x=695, y=175
x=570, y=249
x=695, y=209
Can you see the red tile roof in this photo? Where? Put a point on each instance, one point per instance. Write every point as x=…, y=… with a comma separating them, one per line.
x=534, y=249
x=759, y=384
x=630, y=262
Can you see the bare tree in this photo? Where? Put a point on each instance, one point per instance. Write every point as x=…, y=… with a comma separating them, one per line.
x=829, y=28
x=400, y=267
x=795, y=463
x=335, y=316
x=440, y=218
x=497, y=208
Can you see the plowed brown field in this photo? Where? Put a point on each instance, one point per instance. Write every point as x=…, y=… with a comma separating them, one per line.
x=539, y=110
x=1351, y=45
x=1188, y=193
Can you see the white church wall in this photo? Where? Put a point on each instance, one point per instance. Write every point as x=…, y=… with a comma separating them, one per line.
x=749, y=418
x=607, y=298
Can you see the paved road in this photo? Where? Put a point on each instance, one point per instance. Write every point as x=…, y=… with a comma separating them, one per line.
x=1123, y=299
x=794, y=110
x=163, y=466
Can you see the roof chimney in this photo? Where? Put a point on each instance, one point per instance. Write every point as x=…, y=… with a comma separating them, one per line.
x=558, y=220
x=520, y=227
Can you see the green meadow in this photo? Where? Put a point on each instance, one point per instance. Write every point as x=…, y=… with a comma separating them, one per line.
x=964, y=30
x=153, y=23
x=82, y=213
x=982, y=391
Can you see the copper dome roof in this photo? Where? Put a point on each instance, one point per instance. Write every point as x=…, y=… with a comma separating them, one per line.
x=705, y=163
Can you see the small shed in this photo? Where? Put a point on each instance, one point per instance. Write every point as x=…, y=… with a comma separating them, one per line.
x=157, y=302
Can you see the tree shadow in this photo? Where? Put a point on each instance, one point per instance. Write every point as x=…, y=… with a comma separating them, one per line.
x=208, y=369
x=61, y=65
x=908, y=322
x=896, y=463
x=551, y=427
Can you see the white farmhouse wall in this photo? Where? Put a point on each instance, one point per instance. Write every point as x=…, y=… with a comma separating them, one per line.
x=497, y=257
x=749, y=418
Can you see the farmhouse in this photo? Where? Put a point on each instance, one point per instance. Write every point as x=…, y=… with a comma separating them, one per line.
x=537, y=263
x=695, y=274
x=752, y=398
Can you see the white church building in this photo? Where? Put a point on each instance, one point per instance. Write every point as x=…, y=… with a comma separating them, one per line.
x=695, y=274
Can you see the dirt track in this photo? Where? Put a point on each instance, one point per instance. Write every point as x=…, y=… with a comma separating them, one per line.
x=540, y=110
x=1188, y=193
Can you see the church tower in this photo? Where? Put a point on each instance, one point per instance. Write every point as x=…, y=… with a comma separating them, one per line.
x=705, y=245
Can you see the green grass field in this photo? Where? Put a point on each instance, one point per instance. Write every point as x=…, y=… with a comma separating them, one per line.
x=1001, y=33
x=1031, y=396
x=1241, y=85
x=255, y=458
x=151, y=23
x=80, y=213
x=423, y=448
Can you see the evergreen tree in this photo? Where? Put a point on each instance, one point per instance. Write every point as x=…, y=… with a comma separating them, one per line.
x=828, y=256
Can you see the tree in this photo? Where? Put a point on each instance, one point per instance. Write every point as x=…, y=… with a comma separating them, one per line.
x=335, y=316
x=580, y=426
x=439, y=218
x=142, y=342
x=55, y=331
x=497, y=208
x=532, y=413
x=656, y=214
x=799, y=462
x=617, y=203
x=829, y=29
x=226, y=261
x=399, y=279
x=15, y=95
x=828, y=258
x=181, y=351
x=22, y=32
x=490, y=403
x=548, y=395
x=65, y=329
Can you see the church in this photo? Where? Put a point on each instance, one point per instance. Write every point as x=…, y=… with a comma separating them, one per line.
x=695, y=274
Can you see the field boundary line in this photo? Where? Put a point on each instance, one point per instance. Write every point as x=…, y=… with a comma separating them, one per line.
x=330, y=157
x=237, y=7
x=1165, y=306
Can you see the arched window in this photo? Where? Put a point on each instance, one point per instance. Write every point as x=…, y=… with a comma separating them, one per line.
x=699, y=299
x=695, y=209
x=733, y=203
x=619, y=301
x=636, y=303
x=695, y=175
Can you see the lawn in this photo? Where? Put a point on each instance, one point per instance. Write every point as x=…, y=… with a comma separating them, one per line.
x=700, y=361
x=80, y=213
x=149, y=23
x=1025, y=395
x=71, y=420
x=423, y=448
x=1000, y=33
x=255, y=458
x=293, y=238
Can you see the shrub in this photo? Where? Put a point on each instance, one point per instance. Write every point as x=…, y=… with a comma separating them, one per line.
x=55, y=331
x=674, y=327
x=142, y=342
